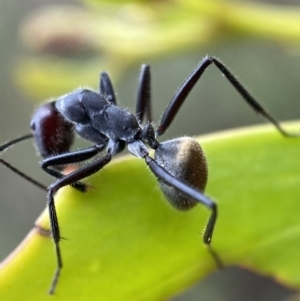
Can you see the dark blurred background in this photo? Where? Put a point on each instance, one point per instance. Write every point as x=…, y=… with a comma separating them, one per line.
x=270, y=70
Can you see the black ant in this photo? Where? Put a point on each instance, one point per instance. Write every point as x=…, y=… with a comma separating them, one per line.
x=179, y=164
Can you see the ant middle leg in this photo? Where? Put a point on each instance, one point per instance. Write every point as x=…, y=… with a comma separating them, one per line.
x=143, y=102
x=106, y=88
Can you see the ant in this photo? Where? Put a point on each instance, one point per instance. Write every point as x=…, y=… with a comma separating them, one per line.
x=179, y=164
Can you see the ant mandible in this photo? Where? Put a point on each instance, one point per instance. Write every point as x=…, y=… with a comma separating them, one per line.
x=179, y=164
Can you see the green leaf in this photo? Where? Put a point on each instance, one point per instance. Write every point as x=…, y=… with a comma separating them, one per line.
x=124, y=242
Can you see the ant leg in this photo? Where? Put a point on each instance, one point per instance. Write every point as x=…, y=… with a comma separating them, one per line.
x=106, y=88
x=68, y=158
x=143, y=103
x=75, y=176
x=188, y=85
x=15, y=170
x=166, y=177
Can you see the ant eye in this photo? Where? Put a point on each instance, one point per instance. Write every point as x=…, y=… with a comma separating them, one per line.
x=32, y=125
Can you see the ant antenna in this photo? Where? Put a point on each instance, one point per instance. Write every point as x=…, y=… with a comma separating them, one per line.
x=15, y=170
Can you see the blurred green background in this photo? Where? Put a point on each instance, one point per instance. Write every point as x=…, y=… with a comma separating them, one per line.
x=269, y=68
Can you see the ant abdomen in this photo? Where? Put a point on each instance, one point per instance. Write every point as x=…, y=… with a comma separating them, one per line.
x=184, y=159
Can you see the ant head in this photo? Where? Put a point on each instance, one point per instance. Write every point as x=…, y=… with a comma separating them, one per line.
x=52, y=133
x=184, y=159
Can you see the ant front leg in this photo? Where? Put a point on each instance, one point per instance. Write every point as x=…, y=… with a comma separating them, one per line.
x=73, y=177
x=68, y=158
x=188, y=85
